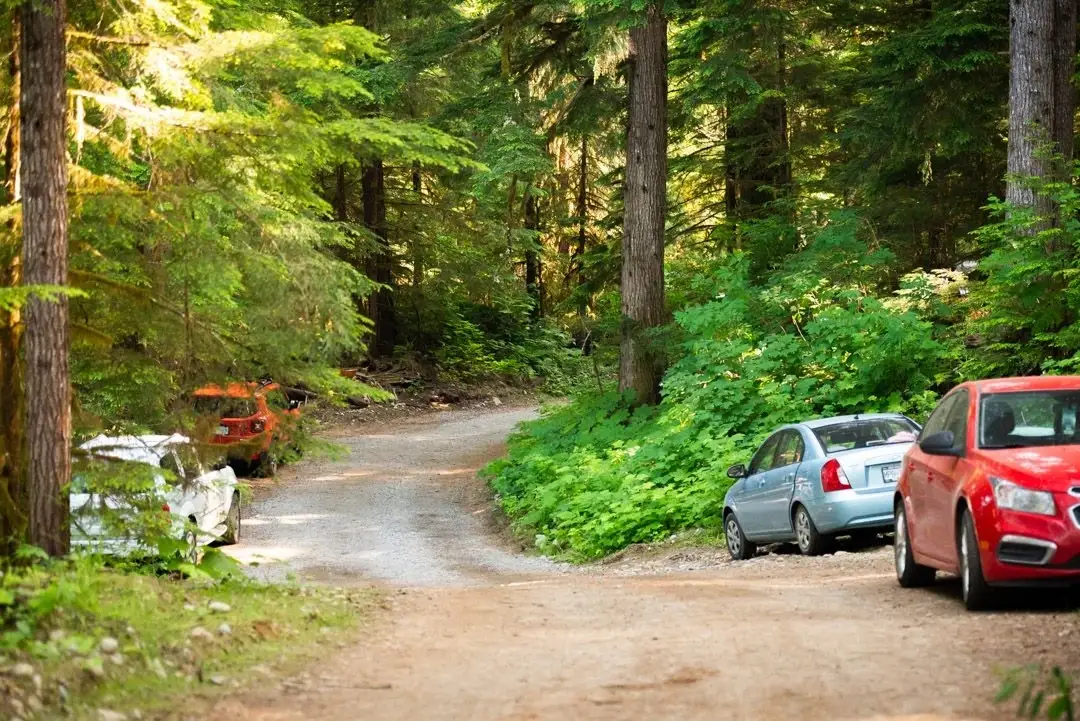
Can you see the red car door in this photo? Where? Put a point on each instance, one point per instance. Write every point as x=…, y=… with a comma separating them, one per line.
x=944, y=478
x=918, y=477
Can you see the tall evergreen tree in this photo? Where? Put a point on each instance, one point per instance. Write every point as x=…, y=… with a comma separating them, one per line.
x=44, y=183
x=1042, y=98
x=641, y=363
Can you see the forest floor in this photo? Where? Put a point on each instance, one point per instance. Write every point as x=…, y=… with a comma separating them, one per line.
x=478, y=630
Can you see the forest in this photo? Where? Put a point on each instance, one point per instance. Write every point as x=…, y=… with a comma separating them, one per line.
x=696, y=220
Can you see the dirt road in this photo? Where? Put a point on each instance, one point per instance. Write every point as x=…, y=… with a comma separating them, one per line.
x=479, y=632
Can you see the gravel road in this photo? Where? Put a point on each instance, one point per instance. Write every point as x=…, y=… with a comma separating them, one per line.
x=477, y=631
x=402, y=507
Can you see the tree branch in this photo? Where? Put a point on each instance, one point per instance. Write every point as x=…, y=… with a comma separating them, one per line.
x=107, y=39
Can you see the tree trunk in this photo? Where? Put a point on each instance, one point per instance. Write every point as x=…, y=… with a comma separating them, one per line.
x=341, y=194
x=44, y=188
x=641, y=364
x=14, y=498
x=532, y=257
x=1064, y=91
x=1031, y=100
x=578, y=258
x=757, y=151
x=381, y=262
x=418, y=241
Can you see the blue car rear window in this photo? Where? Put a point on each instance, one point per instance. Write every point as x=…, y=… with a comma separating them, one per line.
x=851, y=435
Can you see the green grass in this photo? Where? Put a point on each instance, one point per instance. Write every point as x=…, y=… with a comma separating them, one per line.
x=273, y=629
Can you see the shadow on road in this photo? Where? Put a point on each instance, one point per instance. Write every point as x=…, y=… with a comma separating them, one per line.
x=1015, y=600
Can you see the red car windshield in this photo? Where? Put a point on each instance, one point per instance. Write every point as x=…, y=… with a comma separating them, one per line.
x=865, y=433
x=1035, y=418
x=225, y=406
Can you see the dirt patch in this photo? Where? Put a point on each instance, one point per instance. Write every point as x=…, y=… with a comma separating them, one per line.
x=675, y=631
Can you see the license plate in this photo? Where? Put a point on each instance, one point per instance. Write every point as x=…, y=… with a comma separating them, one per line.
x=891, y=473
x=223, y=430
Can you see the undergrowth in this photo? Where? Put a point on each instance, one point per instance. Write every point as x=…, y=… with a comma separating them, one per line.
x=594, y=476
x=77, y=637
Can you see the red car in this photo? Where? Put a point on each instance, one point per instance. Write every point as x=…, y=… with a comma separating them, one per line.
x=992, y=489
x=250, y=417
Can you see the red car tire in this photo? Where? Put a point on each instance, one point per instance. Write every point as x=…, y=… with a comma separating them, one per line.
x=978, y=594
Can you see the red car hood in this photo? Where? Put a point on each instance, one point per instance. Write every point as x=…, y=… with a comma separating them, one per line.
x=1055, y=468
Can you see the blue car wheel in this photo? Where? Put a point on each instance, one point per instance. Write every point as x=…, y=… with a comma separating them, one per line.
x=739, y=547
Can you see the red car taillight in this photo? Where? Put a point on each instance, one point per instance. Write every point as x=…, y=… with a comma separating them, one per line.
x=258, y=426
x=833, y=477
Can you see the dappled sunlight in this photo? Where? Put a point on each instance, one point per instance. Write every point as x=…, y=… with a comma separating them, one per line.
x=342, y=476
x=455, y=471
x=256, y=555
x=298, y=518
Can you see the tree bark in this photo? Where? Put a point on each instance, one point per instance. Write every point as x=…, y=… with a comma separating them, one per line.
x=381, y=262
x=418, y=241
x=45, y=240
x=532, y=257
x=578, y=258
x=341, y=194
x=1031, y=100
x=641, y=364
x=14, y=497
x=1064, y=91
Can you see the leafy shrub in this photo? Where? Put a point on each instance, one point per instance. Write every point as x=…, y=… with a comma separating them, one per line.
x=594, y=476
x=1038, y=694
x=1023, y=316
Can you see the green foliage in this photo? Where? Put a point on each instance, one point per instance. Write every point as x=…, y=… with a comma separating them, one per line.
x=14, y=298
x=1040, y=695
x=594, y=476
x=1024, y=314
x=54, y=615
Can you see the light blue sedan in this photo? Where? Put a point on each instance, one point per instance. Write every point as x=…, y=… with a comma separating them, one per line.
x=812, y=481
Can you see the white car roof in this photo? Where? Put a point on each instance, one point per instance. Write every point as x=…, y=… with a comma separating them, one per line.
x=143, y=449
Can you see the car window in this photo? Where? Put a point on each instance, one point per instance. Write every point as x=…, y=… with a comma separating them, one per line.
x=1033, y=418
x=80, y=483
x=864, y=433
x=225, y=406
x=957, y=420
x=763, y=459
x=184, y=462
x=789, y=449
x=937, y=420
x=277, y=400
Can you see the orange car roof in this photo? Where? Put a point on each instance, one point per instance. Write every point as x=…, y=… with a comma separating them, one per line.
x=235, y=390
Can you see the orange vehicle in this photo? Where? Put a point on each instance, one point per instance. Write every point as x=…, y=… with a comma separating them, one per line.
x=251, y=418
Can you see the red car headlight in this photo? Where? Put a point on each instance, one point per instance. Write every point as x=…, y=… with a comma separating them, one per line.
x=1015, y=497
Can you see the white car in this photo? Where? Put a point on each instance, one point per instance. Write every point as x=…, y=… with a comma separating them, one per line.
x=210, y=500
